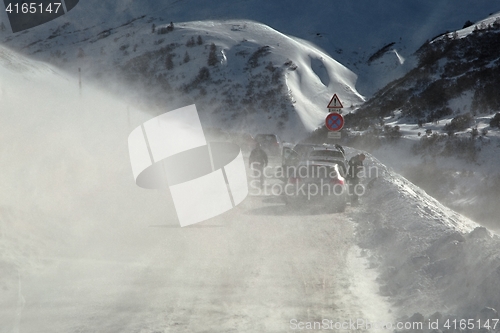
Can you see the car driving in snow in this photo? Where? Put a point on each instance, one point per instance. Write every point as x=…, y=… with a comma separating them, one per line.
x=291, y=155
x=328, y=153
x=317, y=183
x=317, y=179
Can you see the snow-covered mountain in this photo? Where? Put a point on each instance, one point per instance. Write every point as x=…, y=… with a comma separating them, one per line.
x=456, y=73
x=241, y=74
x=259, y=73
x=444, y=110
x=365, y=37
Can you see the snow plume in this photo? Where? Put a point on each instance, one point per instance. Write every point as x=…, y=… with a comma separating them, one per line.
x=400, y=58
x=66, y=173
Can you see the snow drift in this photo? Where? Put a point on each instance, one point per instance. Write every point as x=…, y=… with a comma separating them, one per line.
x=431, y=259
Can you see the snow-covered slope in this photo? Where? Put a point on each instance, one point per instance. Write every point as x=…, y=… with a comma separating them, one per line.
x=430, y=258
x=444, y=109
x=455, y=73
x=461, y=172
x=483, y=24
x=258, y=80
x=350, y=31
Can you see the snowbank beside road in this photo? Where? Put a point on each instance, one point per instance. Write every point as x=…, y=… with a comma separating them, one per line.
x=430, y=258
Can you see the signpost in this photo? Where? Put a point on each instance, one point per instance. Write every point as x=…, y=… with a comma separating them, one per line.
x=334, y=135
x=335, y=103
x=334, y=121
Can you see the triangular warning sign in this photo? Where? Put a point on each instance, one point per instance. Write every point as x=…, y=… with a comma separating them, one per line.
x=335, y=103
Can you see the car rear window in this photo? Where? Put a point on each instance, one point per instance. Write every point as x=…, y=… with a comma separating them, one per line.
x=325, y=154
x=301, y=149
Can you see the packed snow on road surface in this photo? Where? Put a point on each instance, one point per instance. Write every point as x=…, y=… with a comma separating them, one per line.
x=83, y=249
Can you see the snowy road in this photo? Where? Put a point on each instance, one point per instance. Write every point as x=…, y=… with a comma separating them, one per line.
x=83, y=249
x=253, y=269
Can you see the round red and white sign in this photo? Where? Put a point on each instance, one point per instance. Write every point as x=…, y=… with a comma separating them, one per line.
x=334, y=121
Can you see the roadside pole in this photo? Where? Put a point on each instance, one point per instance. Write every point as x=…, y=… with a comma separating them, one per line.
x=334, y=121
x=80, y=80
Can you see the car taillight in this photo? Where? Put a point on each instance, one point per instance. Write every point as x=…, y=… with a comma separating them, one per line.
x=337, y=181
